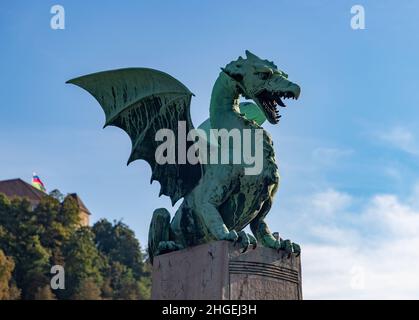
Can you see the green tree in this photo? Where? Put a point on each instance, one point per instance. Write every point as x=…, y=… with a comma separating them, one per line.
x=127, y=274
x=46, y=213
x=69, y=213
x=119, y=243
x=44, y=293
x=103, y=262
x=8, y=290
x=32, y=268
x=124, y=285
x=56, y=194
x=144, y=287
x=19, y=238
x=55, y=223
x=83, y=263
x=88, y=289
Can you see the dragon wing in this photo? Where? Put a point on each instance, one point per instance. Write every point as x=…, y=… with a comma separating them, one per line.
x=141, y=101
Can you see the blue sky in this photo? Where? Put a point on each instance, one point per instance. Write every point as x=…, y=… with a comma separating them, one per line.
x=348, y=150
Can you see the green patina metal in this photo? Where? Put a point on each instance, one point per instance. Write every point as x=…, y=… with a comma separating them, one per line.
x=219, y=200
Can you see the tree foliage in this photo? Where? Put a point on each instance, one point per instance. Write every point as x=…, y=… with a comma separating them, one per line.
x=100, y=262
x=8, y=290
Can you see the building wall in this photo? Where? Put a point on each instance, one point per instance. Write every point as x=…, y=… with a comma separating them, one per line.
x=84, y=219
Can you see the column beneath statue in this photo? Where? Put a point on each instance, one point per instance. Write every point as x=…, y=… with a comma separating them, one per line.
x=219, y=271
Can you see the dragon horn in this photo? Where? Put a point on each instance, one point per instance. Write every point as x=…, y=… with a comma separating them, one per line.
x=250, y=55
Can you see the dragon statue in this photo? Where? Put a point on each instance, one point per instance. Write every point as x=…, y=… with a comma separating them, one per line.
x=219, y=200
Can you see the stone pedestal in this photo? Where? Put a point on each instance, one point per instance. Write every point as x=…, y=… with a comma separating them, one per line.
x=219, y=271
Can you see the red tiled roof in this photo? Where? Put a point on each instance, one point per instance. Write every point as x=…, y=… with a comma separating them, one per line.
x=17, y=188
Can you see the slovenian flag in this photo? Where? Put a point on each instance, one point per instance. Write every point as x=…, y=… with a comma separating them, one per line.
x=37, y=183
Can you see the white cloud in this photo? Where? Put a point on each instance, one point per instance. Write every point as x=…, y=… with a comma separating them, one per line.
x=401, y=138
x=413, y=199
x=395, y=218
x=330, y=201
x=369, y=254
x=332, y=234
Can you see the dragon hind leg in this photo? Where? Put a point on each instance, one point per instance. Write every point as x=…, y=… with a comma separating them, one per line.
x=159, y=235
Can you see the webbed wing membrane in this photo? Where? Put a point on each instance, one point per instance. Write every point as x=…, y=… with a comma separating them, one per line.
x=141, y=101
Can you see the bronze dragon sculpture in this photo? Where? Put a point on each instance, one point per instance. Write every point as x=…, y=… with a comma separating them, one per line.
x=219, y=200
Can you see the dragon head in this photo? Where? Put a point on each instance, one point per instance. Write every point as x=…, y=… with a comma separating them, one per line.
x=262, y=81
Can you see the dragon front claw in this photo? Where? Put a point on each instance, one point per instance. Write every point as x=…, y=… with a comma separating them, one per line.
x=296, y=249
x=289, y=247
x=168, y=246
x=245, y=240
x=231, y=236
x=280, y=244
x=285, y=245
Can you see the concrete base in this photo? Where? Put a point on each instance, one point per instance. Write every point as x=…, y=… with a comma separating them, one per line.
x=219, y=271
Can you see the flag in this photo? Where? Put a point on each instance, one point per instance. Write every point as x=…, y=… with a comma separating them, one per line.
x=37, y=183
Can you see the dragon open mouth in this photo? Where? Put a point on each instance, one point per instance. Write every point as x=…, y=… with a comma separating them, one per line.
x=270, y=100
